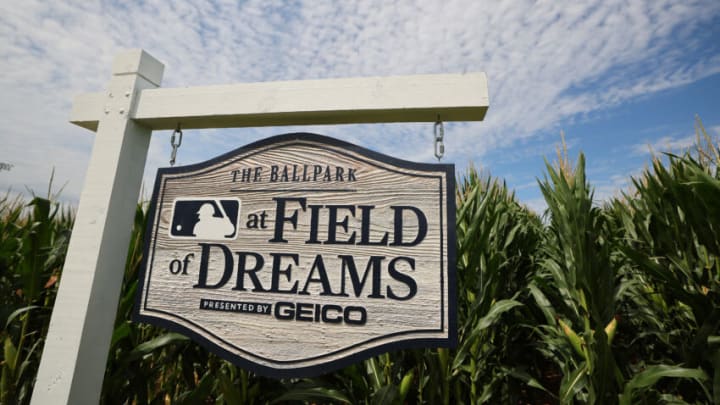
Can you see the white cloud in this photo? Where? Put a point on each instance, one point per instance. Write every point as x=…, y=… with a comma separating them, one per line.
x=546, y=61
x=537, y=205
x=675, y=144
x=665, y=144
x=614, y=186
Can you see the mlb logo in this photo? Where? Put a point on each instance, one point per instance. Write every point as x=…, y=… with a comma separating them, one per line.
x=205, y=218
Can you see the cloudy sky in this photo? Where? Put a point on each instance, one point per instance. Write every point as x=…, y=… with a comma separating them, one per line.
x=615, y=76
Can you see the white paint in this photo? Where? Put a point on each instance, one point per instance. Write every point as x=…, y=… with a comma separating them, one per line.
x=211, y=227
x=73, y=363
x=421, y=98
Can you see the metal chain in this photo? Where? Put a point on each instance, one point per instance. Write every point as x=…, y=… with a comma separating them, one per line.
x=175, y=146
x=439, y=146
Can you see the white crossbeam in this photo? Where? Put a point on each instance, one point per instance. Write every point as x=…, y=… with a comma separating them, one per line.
x=419, y=98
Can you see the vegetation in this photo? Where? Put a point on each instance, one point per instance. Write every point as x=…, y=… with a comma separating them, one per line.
x=588, y=304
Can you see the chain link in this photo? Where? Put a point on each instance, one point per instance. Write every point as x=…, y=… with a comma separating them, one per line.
x=175, y=146
x=439, y=145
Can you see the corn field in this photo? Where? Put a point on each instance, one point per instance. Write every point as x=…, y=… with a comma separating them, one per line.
x=618, y=303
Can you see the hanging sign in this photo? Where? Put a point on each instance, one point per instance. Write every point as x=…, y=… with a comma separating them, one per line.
x=300, y=254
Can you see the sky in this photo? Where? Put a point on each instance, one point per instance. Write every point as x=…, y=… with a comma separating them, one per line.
x=617, y=77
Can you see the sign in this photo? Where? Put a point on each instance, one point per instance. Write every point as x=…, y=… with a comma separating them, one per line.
x=73, y=360
x=299, y=254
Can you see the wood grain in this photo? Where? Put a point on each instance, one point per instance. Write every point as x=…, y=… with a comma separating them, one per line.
x=291, y=344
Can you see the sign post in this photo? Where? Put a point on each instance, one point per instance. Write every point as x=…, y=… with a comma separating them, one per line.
x=75, y=352
x=73, y=362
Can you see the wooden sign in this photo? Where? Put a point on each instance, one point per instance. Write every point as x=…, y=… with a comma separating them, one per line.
x=299, y=254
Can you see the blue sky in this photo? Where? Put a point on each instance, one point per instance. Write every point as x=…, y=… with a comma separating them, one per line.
x=615, y=76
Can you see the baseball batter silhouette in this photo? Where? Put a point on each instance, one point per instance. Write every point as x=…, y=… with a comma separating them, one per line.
x=211, y=227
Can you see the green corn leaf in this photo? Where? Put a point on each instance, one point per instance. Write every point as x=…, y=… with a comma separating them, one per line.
x=200, y=394
x=154, y=344
x=120, y=333
x=527, y=379
x=10, y=353
x=28, y=360
x=653, y=374
x=374, y=371
x=496, y=311
x=543, y=303
x=572, y=384
x=385, y=395
x=713, y=340
x=405, y=385
x=17, y=313
x=5, y=384
x=311, y=395
x=510, y=238
x=230, y=392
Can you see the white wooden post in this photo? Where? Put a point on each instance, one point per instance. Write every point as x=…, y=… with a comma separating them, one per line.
x=73, y=362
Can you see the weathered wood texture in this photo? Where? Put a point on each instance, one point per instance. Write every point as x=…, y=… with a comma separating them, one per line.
x=73, y=362
x=420, y=98
x=290, y=344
